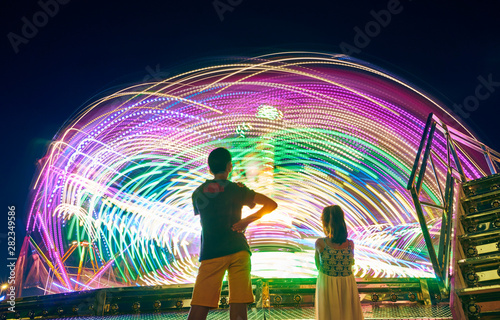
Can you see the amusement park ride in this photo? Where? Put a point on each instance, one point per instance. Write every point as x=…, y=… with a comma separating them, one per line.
x=111, y=230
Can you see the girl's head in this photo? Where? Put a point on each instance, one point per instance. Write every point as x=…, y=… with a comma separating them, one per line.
x=334, y=224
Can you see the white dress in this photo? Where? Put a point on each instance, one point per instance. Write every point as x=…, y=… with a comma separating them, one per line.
x=337, y=294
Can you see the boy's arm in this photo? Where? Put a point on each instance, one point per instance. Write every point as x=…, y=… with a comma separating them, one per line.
x=268, y=205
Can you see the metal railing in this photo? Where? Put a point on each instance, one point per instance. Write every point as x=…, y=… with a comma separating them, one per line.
x=454, y=140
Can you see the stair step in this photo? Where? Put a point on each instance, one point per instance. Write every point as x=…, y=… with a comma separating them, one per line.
x=490, y=223
x=479, y=290
x=491, y=194
x=485, y=204
x=493, y=211
x=480, y=215
x=480, y=260
x=481, y=235
x=480, y=192
x=481, y=180
x=481, y=243
x=480, y=271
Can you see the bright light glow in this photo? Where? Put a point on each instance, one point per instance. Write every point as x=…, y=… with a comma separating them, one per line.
x=309, y=131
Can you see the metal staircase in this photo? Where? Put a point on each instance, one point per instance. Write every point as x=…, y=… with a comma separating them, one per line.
x=478, y=252
x=467, y=260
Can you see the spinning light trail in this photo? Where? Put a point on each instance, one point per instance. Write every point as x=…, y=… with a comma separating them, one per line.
x=114, y=189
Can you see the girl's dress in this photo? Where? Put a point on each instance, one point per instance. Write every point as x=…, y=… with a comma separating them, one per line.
x=336, y=291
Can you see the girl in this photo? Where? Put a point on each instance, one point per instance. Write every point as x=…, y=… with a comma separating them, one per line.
x=336, y=291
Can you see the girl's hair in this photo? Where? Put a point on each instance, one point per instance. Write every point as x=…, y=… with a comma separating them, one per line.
x=334, y=224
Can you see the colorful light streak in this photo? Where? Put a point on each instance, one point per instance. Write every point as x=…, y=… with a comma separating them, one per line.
x=309, y=130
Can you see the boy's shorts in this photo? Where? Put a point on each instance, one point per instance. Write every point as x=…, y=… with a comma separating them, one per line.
x=208, y=284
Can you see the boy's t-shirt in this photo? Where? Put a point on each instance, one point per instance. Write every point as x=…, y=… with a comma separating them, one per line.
x=219, y=204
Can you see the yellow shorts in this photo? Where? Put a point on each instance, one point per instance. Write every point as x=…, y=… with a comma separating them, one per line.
x=208, y=284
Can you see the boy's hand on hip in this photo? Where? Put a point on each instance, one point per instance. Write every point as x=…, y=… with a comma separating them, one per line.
x=240, y=226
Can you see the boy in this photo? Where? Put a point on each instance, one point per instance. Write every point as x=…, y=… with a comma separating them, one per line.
x=223, y=243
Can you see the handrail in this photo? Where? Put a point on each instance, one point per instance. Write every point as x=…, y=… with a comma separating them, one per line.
x=489, y=153
x=411, y=180
x=454, y=140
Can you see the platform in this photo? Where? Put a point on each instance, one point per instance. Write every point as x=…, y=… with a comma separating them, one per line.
x=274, y=299
x=383, y=311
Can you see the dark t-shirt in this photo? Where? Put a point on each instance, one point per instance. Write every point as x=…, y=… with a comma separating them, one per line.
x=219, y=203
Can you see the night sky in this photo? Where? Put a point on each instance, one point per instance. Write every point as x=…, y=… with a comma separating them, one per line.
x=57, y=62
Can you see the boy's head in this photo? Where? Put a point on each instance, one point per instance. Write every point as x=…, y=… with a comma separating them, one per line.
x=219, y=160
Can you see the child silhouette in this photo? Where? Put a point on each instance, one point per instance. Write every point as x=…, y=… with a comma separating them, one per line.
x=224, y=247
x=336, y=291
